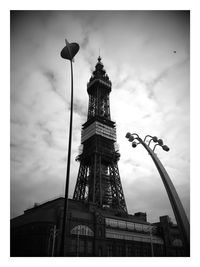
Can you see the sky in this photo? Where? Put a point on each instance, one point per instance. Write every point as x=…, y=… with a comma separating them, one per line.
x=146, y=54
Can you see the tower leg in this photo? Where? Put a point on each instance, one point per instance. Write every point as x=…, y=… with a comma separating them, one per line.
x=81, y=183
x=116, y=188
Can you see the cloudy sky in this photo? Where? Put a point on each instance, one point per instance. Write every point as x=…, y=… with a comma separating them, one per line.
x=150, y=95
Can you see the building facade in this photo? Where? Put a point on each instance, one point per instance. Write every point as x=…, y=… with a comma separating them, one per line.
x=92, y=232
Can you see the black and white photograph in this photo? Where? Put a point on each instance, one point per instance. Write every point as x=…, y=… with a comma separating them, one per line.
x=100, y=133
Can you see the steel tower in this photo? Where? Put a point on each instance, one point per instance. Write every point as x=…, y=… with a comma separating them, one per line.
x=98, y=179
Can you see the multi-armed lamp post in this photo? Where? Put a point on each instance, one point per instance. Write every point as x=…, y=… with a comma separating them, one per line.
x=68, y=52
x=176, y=204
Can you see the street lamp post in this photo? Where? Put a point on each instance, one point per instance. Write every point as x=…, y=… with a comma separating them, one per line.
x=176, y=204
x=68, y=52
x=54, y=232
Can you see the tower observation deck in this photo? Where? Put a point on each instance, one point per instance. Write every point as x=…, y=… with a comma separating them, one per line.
x=98, y=178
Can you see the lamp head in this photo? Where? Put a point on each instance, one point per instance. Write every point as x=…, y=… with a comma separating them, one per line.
x=155, y=139
x=128, y=135
x=160, y=142
x=70, y=50
x=166, y=148
x=131, y=138
x=134, y=144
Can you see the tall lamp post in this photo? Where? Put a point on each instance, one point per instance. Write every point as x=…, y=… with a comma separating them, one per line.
x=176, y=204
x=68, y=52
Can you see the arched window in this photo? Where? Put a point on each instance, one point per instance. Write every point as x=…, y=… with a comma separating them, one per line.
x=82, y=230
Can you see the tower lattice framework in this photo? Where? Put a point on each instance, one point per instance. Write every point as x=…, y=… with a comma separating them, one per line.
x=98, y=178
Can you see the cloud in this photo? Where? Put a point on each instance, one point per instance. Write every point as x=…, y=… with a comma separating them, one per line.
x=80, y=108
x=51, y=77
x=48, y=135
x=85, y=42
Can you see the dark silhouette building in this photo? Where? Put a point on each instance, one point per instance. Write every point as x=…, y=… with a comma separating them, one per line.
x=98, y=223
x=91, y=232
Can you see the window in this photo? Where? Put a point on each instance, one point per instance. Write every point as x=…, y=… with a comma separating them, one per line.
x=157, y=240
x=111, y=222
x=146, y=228
x=82, y=230
x=130, y=225
x=138, y=227
x=114, y=223
x=121, y=224
x=120, y=234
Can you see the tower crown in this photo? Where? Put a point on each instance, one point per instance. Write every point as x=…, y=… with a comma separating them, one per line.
x=99, y=88
x=99, y=75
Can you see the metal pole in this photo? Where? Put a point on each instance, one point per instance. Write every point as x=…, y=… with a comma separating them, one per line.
x=54, y=239
x=176, y=204
x=63, y=229
x=150, y=232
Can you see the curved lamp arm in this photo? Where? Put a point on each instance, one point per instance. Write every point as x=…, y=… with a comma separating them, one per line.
x=176, y=204
x=146, y=137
